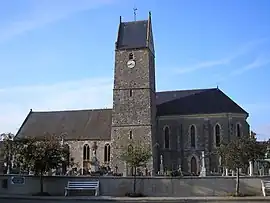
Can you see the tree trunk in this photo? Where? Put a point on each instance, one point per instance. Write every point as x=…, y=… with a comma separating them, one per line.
x=8, y=166
x=237, y=182
x=134, y=180
x=41, y=182
x=9, y=159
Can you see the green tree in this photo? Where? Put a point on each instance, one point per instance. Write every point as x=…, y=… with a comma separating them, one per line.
x=7, y=150
x=136, y=155
x=267, y=153
x=42, y=155
x=237, y=154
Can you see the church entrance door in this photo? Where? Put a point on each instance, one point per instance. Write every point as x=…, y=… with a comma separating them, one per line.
x=193, y=165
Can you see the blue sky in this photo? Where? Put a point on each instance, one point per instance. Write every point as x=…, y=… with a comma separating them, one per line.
x=59, y=54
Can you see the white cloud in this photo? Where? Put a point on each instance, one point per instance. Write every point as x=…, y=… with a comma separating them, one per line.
x=258, y=119
x=259, y=107
x=202, y=65
x=44, y=12
x=16, y=102
x=263, y=131
x=257, y=63
x=223, y=61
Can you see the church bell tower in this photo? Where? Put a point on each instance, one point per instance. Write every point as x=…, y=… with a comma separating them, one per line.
x=134, y=93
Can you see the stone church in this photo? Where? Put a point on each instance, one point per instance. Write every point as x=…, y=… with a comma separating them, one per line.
x=178, y=124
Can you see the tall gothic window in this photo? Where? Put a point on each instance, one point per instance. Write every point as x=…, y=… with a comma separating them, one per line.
x=238, y=130
x=192, y=136
x=217, y=135
x=107, y=153
x=86, y=152
x=178, y=141
x=167, y=137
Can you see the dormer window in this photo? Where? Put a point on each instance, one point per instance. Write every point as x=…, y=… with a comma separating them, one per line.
x=131, y=57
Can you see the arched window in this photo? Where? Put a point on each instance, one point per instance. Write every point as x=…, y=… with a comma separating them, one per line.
x=130, y=135
x=66, y=152
x=86, y=152
x=130, y=148
x=66, y=159
x=193, y=165
x=238, y=130
x=217, y=135
x=130, y=56
x=192, y=136
x=107, y=153
x=166, y=137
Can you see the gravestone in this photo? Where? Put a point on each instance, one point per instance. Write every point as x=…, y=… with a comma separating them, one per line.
x=203, y=169
x=94, y=162
x=250, y=168
x=226, y=172
x=161, y=168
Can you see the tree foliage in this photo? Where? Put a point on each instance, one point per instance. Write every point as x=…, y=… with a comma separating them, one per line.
x=38, y=155
x=7, y=149
x=7, y=146
x=6, y=136
x=42, y=155
x=267, y=154
x=136, y=155
x=237, y=153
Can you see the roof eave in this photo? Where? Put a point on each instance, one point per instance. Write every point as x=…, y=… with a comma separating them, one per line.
x=25, y=120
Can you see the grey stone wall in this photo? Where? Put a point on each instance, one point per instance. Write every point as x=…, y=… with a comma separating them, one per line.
x=137, y=77
x=149, y=186
x=76, y=151
x=132, y=110
x=180, y=151
x=133, y=104
x=121, y=141
x=180, y=142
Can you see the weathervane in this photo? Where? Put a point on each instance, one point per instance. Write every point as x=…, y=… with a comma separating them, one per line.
x=135, y=14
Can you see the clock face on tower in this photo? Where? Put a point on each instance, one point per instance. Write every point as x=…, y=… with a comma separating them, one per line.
x=131, y=64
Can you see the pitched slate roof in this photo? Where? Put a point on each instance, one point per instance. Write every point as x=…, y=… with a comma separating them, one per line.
x=96, y=124
x=132, y=35
x=77, y=124
x=201, y=101
x=163, y=97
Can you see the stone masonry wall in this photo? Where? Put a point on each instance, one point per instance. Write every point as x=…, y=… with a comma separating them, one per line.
x=205, y=139
x=133, y=103
x=76, y=151
x=149, y=186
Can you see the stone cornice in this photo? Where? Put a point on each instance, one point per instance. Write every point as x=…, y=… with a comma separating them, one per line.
x=204, y=116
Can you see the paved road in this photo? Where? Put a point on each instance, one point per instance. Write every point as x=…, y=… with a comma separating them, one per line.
x=76, y=201
x=48, y=201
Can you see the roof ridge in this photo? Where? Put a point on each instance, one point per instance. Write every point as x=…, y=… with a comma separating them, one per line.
x=200, y=103
x=185, y=90
x=137, y=21
x=71, y=110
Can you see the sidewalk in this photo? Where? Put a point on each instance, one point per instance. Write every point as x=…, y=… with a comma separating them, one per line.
x=141, y=199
